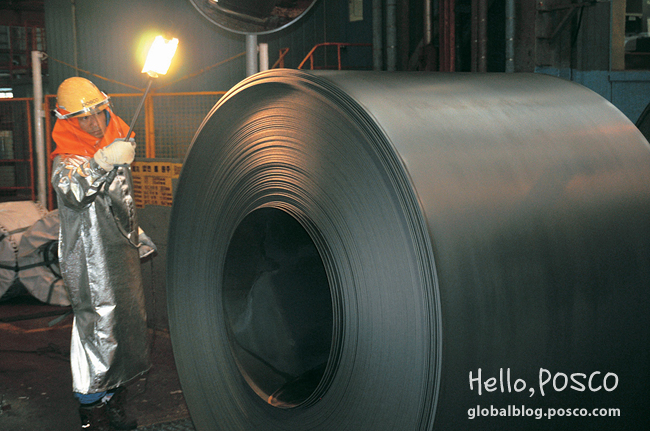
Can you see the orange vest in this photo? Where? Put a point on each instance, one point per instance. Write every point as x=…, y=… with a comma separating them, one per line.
x=70, y=139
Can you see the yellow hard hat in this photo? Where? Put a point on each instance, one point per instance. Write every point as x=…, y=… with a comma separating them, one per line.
x=78, y=97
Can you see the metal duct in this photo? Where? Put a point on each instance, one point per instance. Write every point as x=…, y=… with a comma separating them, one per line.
x=474, y=37
x=377, y=36
x=482, y=10
x=428, y=32
x=447, y=35
x=391, y=35
x=75, y=50
x=510, y=36
x=264, y=56
x=363, y=251
x=251, y=54
x=39, y=129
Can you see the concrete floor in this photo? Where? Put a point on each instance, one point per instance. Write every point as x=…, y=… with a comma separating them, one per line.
x=35, y=380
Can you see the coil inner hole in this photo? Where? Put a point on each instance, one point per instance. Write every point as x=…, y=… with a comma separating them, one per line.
x=278, y=307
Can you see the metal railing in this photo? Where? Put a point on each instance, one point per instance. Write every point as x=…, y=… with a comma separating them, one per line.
x=164, y=131
x=279, y=63
x=338, y=45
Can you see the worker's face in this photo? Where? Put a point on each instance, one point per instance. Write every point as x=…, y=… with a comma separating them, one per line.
x=94, y=124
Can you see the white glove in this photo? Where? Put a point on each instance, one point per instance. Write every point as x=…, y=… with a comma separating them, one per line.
x=118, y=152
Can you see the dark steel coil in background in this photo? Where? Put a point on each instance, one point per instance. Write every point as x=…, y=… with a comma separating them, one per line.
x=345, y=248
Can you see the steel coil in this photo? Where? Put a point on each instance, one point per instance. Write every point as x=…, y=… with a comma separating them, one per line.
x=404, y=251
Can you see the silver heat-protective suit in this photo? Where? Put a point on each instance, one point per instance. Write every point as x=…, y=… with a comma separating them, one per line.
x=100, y=245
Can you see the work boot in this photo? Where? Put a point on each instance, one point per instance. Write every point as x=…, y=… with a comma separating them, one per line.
x=93, y=417
x=117, y=414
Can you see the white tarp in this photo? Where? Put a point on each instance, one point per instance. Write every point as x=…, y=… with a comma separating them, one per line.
x=28, y=253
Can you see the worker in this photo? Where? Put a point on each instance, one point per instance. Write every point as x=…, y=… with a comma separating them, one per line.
x=100, y=247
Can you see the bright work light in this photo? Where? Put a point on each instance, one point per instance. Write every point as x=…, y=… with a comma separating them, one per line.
x=157, y=63
x=160, y=56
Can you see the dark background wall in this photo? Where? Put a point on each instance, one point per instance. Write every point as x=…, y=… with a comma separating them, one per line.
x=589, y=42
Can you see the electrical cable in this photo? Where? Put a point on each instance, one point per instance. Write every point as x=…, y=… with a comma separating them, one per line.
x=347, y=250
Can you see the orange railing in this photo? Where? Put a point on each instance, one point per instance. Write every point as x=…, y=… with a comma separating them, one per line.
x=338, y=45
x=280, y=61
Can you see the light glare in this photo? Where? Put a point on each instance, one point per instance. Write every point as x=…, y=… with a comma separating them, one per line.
x=160, y=56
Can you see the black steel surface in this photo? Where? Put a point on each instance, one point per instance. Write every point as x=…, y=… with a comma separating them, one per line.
x=483, y=231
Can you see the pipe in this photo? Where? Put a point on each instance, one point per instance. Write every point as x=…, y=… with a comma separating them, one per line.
x=39, y=115
x=447, y=17
x=510, y=36
x=264, y=56
x=391, y=35
x=403, y=35
x=481, y=57
x=474, y=41
x=427, y=22
x=251, y=54
x=377, y=46
x=442, y=34
x=75, y=49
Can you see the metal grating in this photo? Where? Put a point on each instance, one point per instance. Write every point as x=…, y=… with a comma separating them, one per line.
x=177, y=117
